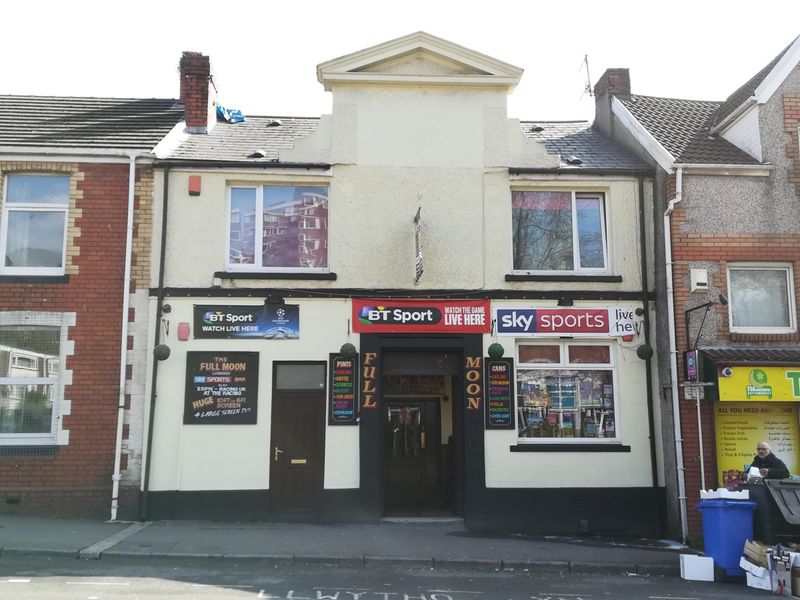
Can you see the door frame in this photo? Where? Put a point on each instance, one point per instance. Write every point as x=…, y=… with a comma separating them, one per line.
x=469, y=463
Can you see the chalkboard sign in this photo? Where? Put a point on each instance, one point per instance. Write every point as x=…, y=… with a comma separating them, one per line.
x=221, y=388
x=343, y=390
x=499, y=393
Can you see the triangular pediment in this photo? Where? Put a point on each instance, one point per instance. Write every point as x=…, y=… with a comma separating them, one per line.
x=419, y=58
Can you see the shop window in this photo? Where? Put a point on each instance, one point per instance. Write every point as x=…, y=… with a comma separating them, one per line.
x=559, y=232
x=278, y=244
x=31, y=381
x=34, y=224
x=761, y=298
x=566, y=392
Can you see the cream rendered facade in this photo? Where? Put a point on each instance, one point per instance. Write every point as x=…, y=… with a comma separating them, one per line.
x=416, y=123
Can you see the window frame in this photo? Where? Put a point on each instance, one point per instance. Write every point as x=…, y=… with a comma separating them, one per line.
x=788, y=270
x=33, y=207
x=59, y=380
x=577, y=268
x=565, y=365
x=259, y=242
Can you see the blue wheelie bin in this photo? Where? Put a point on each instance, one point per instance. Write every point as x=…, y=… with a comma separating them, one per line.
x=726, y=526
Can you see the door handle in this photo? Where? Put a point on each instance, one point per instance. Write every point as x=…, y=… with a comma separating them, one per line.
x=277, y=451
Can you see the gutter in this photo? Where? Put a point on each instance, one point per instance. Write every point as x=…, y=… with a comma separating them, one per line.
x=673, y=353
x=579, y=171
x=148, y=442
x=123, y=353
x=250, y=164
x=74, y=154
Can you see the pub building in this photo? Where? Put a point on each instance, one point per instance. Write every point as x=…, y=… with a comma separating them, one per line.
x=360, y=320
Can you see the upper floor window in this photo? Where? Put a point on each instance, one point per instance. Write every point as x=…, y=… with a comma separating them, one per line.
x=761, y=298
x=278, y=228
x=559, y=231
x=34, y=226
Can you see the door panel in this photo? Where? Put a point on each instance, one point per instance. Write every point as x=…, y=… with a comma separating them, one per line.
x=412, y=455
x=298, y=450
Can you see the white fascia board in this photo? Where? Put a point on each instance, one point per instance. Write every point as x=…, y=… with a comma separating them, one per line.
x=778, y=73
x=737, y=114
x=651, y=145
x=396, y=79
x=733, y=170
x=34, y=154
x=170, y=142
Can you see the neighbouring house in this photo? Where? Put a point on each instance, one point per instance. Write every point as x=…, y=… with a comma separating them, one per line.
x=76, y=183
x=727, y=245
x=415, y=305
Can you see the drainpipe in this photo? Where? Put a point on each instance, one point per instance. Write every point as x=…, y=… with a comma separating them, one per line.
x=673, y=352
x=646, y=325
x=123, y=353
x=143, y=496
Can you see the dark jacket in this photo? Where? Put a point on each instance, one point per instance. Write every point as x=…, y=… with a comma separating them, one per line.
x=777, y=468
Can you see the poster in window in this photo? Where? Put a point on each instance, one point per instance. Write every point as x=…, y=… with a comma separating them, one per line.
x=343, y=390
x=221, y=388
x=499, y=393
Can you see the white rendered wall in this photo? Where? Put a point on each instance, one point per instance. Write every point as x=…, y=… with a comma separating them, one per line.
x=237, y=457
x=506, y=469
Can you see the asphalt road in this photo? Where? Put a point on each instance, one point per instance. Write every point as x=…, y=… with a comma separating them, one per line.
x=44, y=578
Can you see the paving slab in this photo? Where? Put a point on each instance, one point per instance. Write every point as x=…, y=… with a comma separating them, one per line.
x=23, y=533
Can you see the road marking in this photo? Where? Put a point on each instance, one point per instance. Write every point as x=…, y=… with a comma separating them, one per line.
x=98, y=583
x=671, y=598
x=16, y=580
x=452, y=592
x=202, y=585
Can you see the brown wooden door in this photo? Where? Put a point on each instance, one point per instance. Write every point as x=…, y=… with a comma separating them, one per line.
x=412, y=459
x=298, y=451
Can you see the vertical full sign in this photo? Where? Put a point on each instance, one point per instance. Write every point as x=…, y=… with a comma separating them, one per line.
x=221, y=388
x=369, y=376
x=499, y=393
x=343, y=390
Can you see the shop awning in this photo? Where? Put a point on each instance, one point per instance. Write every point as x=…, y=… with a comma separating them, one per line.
x=786, y=494
x=755, y=356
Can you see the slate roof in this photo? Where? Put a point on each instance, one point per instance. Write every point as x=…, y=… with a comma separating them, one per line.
x=737, y=98
x=682, y=127
x=238, y=141
x=62, y=122
x=579, y=139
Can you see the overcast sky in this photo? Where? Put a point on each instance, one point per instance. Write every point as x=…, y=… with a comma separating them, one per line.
x=264, y=54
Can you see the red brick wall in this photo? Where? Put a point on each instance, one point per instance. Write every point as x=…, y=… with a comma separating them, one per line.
x=76, y=478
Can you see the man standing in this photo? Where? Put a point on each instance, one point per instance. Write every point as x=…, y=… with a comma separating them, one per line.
x=770, y=466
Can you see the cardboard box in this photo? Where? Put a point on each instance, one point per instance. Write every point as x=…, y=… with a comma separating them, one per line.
x=697, y=568
x=757, y=577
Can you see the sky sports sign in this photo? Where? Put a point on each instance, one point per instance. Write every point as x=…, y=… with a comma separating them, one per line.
x=418, y=316
x=610, y=322
x=273, y=322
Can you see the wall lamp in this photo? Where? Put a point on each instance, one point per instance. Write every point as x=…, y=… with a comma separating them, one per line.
x=274, y=300
x=721, y=301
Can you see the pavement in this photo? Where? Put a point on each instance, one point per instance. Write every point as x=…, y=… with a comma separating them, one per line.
x=434, y=544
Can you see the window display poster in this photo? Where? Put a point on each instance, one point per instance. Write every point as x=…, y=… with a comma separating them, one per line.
x=343, y=390
x=259, y=322
x=221, y=388
x=499, y=393
x=741, y=425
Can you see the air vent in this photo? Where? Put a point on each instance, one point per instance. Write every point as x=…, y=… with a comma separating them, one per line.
x=574, y=160
x=537, y=129
x=274, y=123
x=258, y=154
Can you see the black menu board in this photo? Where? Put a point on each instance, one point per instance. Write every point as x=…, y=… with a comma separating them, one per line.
x=343, y=390
x=499, y=393
x=221, y=388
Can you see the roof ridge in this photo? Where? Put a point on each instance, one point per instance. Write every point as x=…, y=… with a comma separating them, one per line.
x=43, y=97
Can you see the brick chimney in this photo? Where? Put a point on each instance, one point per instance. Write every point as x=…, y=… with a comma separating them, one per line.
x=614, y=82
x=198, y=94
